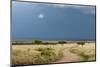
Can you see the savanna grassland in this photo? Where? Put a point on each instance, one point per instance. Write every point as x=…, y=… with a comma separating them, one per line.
x=39, y=53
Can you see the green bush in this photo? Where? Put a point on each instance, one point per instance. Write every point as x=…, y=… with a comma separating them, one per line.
x=37, y=42
x=44, y=49
x=61, y=42
x=81, y=43
x=46, y=43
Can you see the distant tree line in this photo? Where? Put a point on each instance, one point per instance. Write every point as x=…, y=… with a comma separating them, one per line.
x=38, y=42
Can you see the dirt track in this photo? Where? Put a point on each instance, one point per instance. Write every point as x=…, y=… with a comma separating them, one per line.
x=68, y=57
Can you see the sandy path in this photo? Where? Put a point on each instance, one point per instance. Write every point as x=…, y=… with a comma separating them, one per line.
x=68, y=57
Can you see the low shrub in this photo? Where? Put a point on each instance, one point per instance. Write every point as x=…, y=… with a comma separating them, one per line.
x=44, y=49
x=81, y=43
x=37, y=42
x=61, y=42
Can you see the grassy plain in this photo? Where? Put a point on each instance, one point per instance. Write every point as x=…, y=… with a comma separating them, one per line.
x=56, y=53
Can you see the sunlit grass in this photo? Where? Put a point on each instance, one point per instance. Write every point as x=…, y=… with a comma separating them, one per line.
x=42, y=54
x=86, y=52
x=39, y=55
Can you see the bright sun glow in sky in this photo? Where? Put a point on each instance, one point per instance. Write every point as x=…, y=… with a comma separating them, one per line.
x=41, y=16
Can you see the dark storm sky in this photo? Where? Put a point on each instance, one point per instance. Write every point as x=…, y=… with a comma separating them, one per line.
x=52, y=21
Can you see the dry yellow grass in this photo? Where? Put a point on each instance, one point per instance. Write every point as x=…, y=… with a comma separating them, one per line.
x=27, y=54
